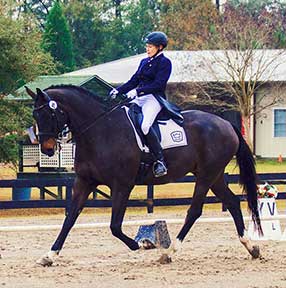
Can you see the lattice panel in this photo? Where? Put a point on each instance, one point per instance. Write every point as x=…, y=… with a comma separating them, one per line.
x=67, y=155
x=62, y=159
x=46, y=161
x=31, y=155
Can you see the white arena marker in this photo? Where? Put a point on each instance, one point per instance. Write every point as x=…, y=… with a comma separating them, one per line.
x=271, y=228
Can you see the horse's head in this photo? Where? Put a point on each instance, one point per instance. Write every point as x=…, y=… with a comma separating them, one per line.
x=51, y=120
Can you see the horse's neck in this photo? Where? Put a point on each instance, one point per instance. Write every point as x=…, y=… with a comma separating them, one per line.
x=81, y=110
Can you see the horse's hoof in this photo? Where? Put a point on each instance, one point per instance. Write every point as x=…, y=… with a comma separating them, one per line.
x=176, y=247
x=45, y=261
x=255, y=253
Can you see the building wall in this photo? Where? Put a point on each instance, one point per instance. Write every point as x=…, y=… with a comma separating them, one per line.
x=266, y=144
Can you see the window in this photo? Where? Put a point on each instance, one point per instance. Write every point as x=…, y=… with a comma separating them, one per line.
x=279, y=122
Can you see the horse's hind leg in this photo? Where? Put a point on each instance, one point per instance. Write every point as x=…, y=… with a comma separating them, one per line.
x=81, y=190
x=195, y=211
x=120, y=195
x=232, y=203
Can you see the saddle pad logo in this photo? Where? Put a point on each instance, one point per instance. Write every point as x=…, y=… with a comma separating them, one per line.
x=177, y=136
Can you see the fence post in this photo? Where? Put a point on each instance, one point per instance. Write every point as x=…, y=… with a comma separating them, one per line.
x=150, y=198
x=20, y=151
x=60, y=193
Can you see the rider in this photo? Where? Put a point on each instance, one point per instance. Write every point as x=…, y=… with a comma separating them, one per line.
x=147, y=89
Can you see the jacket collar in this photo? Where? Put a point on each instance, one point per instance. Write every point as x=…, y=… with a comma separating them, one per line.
x=154, y=57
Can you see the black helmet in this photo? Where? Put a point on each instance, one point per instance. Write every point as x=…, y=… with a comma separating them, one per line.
x=157, y=38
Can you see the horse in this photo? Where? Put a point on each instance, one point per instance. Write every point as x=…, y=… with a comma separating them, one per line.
x=107, y=154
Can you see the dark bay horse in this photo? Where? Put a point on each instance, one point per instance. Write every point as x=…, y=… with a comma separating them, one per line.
x=107, y=153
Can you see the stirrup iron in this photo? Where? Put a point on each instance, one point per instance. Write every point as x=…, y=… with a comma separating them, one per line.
x=161, y=170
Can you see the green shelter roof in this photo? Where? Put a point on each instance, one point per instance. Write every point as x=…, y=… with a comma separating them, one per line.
x=44, y=82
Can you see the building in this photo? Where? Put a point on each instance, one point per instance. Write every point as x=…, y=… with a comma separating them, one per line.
x=268, y=126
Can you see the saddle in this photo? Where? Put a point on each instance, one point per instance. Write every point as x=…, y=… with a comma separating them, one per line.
x=170, y=135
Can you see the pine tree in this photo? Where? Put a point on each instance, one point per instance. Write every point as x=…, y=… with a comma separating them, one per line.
x=57, y=39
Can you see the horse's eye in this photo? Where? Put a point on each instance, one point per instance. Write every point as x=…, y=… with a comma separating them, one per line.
x=35, y=114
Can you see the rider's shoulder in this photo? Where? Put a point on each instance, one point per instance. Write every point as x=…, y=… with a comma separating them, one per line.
x=166, y=59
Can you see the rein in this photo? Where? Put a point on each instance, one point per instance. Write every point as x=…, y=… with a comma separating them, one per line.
x=105, y=113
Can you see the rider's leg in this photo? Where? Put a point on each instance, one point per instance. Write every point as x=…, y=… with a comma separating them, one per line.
x=150, y=110
x=159, y=166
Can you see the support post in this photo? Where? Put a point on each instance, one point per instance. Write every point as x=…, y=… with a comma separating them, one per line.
x=150, y=198
x=20, y=151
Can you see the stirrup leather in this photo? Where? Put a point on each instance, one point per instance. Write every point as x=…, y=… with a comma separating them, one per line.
x=159, y=168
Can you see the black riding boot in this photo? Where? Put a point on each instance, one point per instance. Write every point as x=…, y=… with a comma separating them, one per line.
x=159, y=166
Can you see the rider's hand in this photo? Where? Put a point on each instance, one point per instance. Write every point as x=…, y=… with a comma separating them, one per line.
x=131, y=94
x=113, y=93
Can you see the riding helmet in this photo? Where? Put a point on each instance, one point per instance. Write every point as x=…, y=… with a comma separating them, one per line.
x=157, y=38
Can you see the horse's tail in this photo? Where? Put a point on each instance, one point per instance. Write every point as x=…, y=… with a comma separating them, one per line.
x=248, y=178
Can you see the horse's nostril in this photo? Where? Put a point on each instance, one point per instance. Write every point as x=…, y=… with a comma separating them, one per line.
x=50, y=152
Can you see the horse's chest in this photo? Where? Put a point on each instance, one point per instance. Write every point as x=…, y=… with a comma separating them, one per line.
x=86, y=169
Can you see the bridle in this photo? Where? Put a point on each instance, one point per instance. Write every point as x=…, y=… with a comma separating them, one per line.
x=60, y=130
x=58, y=124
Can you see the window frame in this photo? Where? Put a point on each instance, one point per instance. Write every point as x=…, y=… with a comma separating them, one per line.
x=273, y=125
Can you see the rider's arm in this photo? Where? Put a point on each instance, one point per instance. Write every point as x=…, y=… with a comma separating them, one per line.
x=132, y=83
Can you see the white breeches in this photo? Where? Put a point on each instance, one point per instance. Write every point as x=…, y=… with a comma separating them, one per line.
x=150, y=109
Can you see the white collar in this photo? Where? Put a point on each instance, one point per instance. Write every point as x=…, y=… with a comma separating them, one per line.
x=151, y=58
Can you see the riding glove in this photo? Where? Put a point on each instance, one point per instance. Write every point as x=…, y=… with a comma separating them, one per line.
x=113, y=93
x=131, y=94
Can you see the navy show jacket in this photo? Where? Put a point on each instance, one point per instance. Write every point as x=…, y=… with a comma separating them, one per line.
x=151, y=77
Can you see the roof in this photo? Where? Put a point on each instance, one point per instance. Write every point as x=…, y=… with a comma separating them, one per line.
x=194, y=66
x=43, y=82
x=188, y=66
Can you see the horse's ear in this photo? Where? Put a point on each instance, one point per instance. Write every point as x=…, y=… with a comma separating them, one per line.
x=43, y=94
x=30, y=92
x=39, y=92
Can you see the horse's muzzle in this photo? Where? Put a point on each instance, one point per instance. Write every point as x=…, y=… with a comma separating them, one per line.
x=48, y=147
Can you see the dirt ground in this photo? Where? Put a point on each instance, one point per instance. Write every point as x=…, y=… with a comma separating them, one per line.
x=212, y=256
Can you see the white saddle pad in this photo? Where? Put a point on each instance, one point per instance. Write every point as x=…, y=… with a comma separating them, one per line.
x=172, y=134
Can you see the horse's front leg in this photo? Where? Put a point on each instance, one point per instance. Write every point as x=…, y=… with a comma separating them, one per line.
x=120, y=197
x=81, y=190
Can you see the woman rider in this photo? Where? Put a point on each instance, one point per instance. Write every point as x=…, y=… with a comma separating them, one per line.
x=147, y=87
